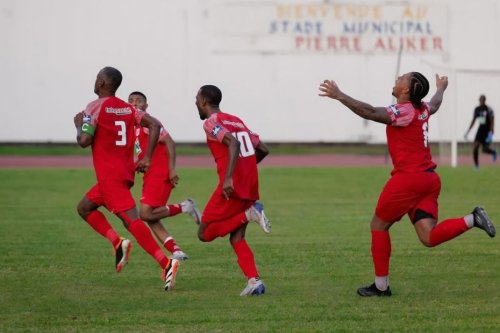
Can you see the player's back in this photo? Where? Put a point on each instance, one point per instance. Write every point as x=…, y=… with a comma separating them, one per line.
x=245, y=176
x=112, y=147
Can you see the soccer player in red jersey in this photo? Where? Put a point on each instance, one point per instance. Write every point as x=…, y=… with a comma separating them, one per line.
x=108, y=125
x=158, y=182
x=236, y=151
x=414, y=185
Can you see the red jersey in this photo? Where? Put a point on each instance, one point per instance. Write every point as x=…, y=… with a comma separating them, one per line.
x=408, y=138
x=159, y=162
x=113, y=144
x=245, y=176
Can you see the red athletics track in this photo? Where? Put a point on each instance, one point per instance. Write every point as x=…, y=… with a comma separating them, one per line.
x=201, y=161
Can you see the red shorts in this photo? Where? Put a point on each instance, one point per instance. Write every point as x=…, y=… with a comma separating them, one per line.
x=113, y=194
x=405, y=193
x=220, y=209
x=156, y=191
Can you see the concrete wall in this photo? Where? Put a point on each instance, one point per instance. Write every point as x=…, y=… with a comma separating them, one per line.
x=268, y=57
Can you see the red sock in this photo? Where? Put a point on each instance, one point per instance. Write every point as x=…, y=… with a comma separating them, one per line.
x=381, y=252
x=143, y=236
x=171, y=245
x=245, y=258
x=222, y=228
x=174, y=209
x=98, y=222
x=446, y=230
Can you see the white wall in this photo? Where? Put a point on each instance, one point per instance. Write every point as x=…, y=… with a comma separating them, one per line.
x=51, y=51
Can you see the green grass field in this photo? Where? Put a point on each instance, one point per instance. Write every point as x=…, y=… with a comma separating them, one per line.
x=57, y=274
x=57, y=149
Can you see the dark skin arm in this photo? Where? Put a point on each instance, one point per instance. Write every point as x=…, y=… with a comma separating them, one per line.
x=437, y=99
x=234, y=149
x=261, y=151
x=492, y=124
x=171, y=153
x=83, y=139
x=154, y=127
x=378, y=114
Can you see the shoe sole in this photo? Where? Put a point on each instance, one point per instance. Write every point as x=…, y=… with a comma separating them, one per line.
x=486, y=223
x=195, y=214
x=263, y=221
x=124, y=260
x=385, y=293
x=181, y=258
x=170, y=275
x=254, y=291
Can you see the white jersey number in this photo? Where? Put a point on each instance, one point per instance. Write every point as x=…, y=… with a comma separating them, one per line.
x=122, y=133
x=425, y=128
x=246, y=147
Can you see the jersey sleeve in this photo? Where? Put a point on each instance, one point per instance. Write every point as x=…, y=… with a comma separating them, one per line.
x=138, y=116
x=255, y=138
x=91, y=116
x=401, y=114
x=214, y=130
x=491, y=113
x=91, y=112
x=163, y=133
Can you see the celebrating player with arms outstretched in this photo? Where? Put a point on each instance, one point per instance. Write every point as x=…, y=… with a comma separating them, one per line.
x=414, y=185
x=233, y=204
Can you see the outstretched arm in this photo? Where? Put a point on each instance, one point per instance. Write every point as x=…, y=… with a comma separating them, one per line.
x=379, y=114
x=437, y=99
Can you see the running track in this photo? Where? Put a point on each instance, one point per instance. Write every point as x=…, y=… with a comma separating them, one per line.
x=207, y=161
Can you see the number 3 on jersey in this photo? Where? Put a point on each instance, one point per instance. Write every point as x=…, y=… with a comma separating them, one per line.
x=246, y=147
x=122, y=133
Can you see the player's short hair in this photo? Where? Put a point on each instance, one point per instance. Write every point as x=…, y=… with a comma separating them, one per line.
x=419, y=88
x=212, y=94
x=113, y=78
x=138, y=93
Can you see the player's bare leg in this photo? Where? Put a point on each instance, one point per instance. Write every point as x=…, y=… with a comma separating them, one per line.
x=188, y=206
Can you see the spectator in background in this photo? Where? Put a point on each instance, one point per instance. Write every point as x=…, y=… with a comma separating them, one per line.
x=484, y=135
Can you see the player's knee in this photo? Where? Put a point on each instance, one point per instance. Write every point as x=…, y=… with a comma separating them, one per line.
x=146, y=217
x=427, y=242
x=82, y=210
x=201, y=233
x=146, y=214
x=201, y=237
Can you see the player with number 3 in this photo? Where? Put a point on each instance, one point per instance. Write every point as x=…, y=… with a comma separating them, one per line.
x=108, y=126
